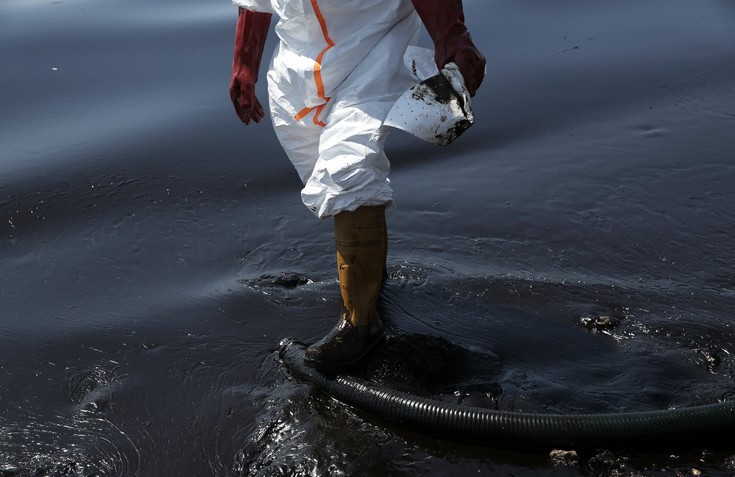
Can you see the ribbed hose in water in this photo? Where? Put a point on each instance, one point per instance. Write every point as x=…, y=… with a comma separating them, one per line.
x=513, y=429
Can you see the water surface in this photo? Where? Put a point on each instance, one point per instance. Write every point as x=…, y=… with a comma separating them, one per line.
x=137, y=215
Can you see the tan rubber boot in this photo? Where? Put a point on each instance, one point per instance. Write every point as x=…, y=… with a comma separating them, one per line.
x=361, y=238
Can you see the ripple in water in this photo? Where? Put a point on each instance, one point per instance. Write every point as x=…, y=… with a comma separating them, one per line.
x=84, y=443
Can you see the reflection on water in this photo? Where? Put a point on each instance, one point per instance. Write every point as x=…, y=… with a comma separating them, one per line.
x=571, y=253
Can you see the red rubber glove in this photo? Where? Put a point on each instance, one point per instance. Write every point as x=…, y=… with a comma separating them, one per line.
x=444, y=20
x=252, y=30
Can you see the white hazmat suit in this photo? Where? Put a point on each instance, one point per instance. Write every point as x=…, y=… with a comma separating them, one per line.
x=337, y=71
x=339, y=68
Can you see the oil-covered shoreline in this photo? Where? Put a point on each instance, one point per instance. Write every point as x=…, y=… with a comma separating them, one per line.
x=572, y=252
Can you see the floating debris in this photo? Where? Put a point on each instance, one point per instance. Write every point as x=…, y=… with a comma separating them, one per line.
x=564, y=457
x=286, y=280
x=599, y=324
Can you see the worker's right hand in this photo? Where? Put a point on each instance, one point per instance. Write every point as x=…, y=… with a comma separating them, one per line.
x=250, y=34
x=242, y=93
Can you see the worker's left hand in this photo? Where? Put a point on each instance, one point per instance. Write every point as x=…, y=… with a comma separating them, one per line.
x=242, y=93
x=471, y=63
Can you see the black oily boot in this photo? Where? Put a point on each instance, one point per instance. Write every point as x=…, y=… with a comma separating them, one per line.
x=345, y=346
x=361, y=250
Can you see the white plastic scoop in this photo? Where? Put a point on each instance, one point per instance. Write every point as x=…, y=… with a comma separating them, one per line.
x=436, y=110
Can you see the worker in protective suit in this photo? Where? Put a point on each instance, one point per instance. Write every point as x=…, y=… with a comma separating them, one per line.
x=338, y=69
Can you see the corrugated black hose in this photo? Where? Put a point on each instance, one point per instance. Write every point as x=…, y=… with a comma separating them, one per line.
x=694, y=425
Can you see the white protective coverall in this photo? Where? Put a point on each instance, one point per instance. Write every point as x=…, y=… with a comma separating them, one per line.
x=338, y=69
